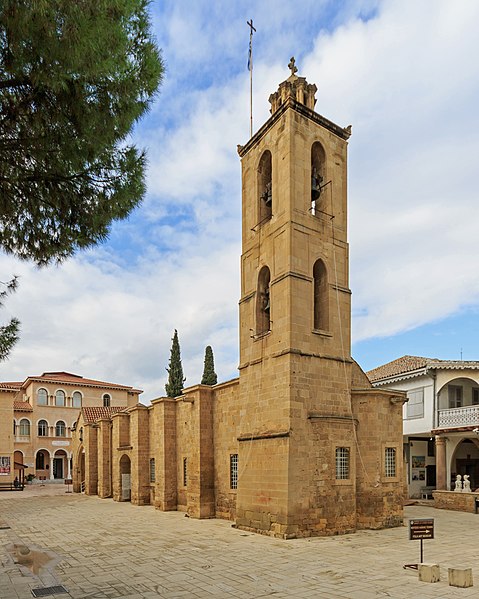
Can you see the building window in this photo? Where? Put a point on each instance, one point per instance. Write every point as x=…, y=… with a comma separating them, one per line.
x=265, y=187
x=24, y=428
x=390, y=462
x=185, y=472
x=76, y=399
x=318, y=161
x=40, y=461
x=415, y=404
x=475, y=396
x=60, y=429
x=106, y=400
x=455, y=396
x=42, y=397
x=263, y=302
x=152, y=470
x=234, y=471
x=321, y=296
x=60, y=398
x=342, y=463
x=42, y=428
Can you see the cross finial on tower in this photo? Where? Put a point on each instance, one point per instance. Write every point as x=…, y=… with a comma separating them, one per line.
x=292, y=66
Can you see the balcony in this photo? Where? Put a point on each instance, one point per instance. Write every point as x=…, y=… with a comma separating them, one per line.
x=458, y=417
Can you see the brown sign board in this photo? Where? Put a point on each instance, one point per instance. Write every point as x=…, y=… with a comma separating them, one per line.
x=68, y=481
x=422, y=528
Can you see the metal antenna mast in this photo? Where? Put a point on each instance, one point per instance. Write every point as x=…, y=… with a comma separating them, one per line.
x=250, y=68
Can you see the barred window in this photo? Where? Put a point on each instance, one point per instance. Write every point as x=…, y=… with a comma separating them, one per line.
x=342, y=463
x=152, y=470
x=185, y=472
x=390, y=462
x=234, y=471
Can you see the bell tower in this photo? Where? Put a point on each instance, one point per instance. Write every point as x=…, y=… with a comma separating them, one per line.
x=295, y=312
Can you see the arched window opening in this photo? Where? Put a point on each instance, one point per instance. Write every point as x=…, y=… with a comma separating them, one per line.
x=265, y=187
x=76, y=399
x=60, y=429
x=60, y=398
x=42, y=428
x=321, y=297
x=263, y=302
x=106, y=400
x=42, y=397
x=318, y=160
x=24, y=428
x=40, y=461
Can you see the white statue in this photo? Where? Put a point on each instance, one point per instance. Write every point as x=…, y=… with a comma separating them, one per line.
x=467, y=484
x=458, y=487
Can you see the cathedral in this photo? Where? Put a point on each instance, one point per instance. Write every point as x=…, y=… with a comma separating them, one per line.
x=300, y=444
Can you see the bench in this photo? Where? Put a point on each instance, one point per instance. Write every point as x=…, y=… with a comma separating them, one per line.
x=11, y=486
x=426, y=492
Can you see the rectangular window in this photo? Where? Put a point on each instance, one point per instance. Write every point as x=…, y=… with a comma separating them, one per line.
x=455, y=396
x=185, y=472
x=342, y=463
x=415, y=404
x=234, y=471
x=152, y=470
x=390, y=462
x=475, y=396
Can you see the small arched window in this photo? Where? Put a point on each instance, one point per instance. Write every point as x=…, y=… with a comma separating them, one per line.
x=60, y=429
x=318, y=160
x=24, y=428
x=40, y=461
x=42, y=397
x=60, y=398
x=265, y=185
x=263, y=302
x=321, y=296
x=76, y=399
x=106, y=400
x=42, y=428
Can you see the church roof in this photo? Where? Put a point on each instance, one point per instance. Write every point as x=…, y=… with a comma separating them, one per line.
x=410, y=364
x=92, y=414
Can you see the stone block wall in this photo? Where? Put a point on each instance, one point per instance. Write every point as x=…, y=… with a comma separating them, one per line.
x=458, y=502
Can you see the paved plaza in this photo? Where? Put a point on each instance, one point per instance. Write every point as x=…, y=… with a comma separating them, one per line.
x=97, y=548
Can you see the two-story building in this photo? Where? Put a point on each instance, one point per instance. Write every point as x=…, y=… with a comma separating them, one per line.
x=43, y=410
x=440, y=419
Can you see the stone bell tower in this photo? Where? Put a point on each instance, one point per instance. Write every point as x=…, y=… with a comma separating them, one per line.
x=295, y=309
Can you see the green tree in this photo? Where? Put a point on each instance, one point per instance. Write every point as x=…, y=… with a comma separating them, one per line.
x=75, y=76
x=9, y=332
x=174, y=386
x=209, y=374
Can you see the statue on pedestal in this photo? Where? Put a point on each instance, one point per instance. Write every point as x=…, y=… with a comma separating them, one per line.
x=458, y=487
x=467, y=484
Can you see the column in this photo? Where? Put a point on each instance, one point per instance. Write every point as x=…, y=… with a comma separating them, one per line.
x=441, y=471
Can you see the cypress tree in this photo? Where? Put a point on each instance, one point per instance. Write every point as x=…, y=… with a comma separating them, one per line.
x=174, y=386
x=209, y=374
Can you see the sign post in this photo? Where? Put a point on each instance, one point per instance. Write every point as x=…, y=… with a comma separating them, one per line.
x=420, y=529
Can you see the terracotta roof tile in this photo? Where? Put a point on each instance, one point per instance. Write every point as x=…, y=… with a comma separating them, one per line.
x=396, y=367
x=11, y=386
x=75, y=379
x=91, y=414
x=22, y=406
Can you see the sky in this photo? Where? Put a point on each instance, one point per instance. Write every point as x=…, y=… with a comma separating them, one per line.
x=403, y=73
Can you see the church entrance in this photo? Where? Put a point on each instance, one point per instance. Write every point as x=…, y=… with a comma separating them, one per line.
x=125, y=478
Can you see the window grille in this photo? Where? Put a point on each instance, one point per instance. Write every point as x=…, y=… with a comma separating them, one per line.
x=152, y=470
x=342, y=463
x=390, y=462
x=185, y=472
x=234, y=471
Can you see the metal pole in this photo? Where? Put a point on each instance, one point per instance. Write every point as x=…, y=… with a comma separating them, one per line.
x=250, y=67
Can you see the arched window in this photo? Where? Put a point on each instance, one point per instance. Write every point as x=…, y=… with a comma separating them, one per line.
x=24, y=428
x=42, y=397
x=60, y=429
x=42, y=428
x=263, y=302
x=76, y=399
x=321, y=296
x=60, y=398
x=265, y=182
x=106, y=400
x=40, y=461
x=318, y=160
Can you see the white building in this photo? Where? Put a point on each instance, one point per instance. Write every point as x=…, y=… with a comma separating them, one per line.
x=440, y=419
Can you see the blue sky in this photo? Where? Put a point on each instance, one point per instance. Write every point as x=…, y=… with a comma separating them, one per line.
x=404, y=73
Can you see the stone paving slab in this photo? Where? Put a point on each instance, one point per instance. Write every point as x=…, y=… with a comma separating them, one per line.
x=104, y=549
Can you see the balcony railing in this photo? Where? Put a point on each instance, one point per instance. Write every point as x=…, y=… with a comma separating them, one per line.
x=457, y=417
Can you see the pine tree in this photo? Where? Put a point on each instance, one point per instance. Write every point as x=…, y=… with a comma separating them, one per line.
x=174, y=386
x=209, y=374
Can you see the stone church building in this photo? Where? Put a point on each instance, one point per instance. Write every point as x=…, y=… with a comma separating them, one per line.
x=300, y=444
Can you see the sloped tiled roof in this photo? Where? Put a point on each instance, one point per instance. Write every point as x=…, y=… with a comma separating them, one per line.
x=10, y=386
x=75, y=379
x=22, y=406
x=408, y=364
x=91, y=414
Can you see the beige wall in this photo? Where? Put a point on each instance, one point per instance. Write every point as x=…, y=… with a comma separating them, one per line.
x=6, y=435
